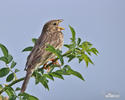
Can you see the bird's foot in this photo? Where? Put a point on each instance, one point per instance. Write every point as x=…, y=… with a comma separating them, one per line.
x=53, y=62
x=46, y=67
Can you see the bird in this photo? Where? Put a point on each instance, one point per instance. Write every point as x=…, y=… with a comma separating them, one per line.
x=51, y=35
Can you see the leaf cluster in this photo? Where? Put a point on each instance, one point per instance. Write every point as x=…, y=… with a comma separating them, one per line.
x=80, y=50
x=77, y=49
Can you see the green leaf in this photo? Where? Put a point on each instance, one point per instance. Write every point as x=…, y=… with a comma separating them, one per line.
x=70, y=46
x=18, y=89
x=34, y=40
x=66, y=45
x=66, y=67
x=9, y=58
x=61, y=59
x=75, y=73
x=44, y=82
x=41, y=70
x=54, y=74
x=88, y=51
x=94, y=50
x=56, y=52
x=4, y=59
x=71, y=57
x=16, y=70
x=90, y=60
x=80, y=58
x=37, y=76
x=73, y=33
x=87, y=59
x=27, y=49
x=49, y=76
x=77, y=51
x=32, y=98
x=4, y=72
x=41, y=78
x=4, y=50
x=10, y=92
x=63, y=72
x=1, y=87
x=78, y=41
x=26, y=96
x=86, y=45
x=70, y=71
x=13, y=64
x=13, y=97
x=10, y=77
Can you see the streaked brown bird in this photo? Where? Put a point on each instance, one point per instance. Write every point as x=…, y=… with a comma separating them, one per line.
x=51, y=35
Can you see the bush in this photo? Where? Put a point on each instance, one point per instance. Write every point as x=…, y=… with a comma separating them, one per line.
x=77, y=49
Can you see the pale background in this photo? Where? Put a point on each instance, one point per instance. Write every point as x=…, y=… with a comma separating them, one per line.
x=101, y=22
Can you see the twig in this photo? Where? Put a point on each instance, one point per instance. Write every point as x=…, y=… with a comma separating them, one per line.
x=11, y=84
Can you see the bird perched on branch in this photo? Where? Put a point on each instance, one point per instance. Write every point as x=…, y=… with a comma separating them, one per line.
x=51, y=35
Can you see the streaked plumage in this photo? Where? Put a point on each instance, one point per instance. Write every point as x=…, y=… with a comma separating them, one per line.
x=52, y=35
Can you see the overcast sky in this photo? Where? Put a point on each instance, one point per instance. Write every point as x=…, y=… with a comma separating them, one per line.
x=101, y=22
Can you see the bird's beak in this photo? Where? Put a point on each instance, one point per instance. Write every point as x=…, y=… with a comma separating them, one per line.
x=60, y=28
x=60, y=20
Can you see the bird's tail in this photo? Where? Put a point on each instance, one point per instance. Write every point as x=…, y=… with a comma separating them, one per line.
x=26, y=80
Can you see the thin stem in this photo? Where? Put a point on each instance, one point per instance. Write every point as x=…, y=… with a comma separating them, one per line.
x=11, y=84
x=12, y=71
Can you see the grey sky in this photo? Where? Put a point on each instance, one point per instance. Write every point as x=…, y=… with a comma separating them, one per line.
x=98, y=21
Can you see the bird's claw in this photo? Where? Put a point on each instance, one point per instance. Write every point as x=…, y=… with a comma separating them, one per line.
x=53, y=62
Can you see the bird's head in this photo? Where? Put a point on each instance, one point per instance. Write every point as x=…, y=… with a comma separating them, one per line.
x=53, y=25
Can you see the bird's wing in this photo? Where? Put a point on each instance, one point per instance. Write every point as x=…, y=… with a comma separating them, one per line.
x=39, y=55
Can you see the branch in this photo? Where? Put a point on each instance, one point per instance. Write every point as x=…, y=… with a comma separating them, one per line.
x=21, y=79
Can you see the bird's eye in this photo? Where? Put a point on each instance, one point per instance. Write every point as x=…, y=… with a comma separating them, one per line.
x=54, y=23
